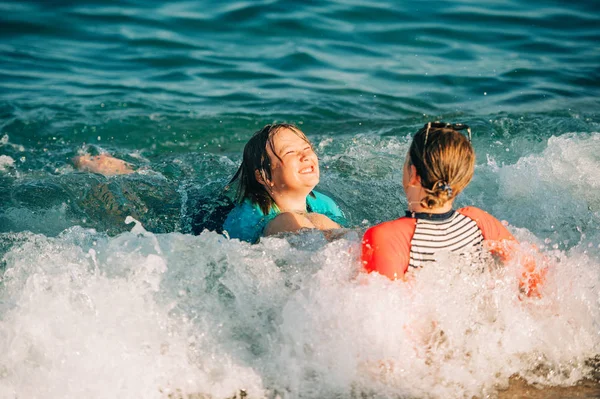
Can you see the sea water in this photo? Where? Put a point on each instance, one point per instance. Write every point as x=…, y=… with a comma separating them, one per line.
x=105, y=291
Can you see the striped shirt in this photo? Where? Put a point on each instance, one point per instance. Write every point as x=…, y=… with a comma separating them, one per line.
x=435, y=233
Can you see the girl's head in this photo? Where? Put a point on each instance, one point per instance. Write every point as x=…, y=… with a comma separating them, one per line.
x=443, y=160
x=278, y=160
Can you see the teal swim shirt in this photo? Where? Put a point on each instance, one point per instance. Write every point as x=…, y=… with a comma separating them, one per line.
x=247, y=222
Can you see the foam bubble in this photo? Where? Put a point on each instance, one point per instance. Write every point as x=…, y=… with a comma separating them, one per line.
x=6, y=162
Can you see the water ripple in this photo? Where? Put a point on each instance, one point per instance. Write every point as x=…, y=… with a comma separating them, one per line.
x=406, y=58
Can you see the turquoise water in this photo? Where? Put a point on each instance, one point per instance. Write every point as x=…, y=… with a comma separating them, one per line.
x=176, y=89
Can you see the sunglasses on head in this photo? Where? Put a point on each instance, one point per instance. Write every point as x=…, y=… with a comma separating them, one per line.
x=443, y=125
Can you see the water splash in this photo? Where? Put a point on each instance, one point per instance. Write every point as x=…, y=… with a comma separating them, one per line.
x=144, y=314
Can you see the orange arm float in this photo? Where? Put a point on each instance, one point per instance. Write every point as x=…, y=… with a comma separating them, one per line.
x=502, y=244
x=386, y=247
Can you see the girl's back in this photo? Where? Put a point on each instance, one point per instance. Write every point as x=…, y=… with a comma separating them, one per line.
x=417, y=239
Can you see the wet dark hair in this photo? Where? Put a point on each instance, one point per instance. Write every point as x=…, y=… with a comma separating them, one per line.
x=445, y=162
x=256, y=158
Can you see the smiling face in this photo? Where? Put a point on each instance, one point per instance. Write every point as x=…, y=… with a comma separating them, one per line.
x=294, y=164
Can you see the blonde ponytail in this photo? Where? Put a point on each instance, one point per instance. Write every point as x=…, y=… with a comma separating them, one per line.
x=445, y=162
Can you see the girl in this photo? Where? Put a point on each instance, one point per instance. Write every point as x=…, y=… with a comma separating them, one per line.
x=439, y=165
x=275, y=185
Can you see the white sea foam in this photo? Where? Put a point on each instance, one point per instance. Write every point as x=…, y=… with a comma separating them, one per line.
x=6, y=162
x=81, y=318
x=569, y=165
x=140, y=315
x=556, y=193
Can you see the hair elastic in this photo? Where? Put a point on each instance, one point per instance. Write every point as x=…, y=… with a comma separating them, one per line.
x=444, y=186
